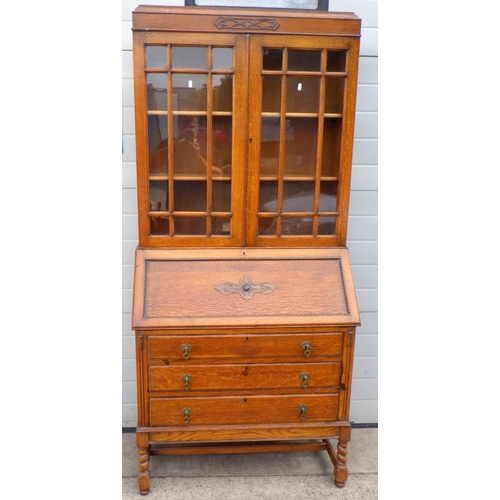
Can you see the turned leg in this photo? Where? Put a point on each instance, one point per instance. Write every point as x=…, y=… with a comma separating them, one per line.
x=339, y=466
x=143, y=447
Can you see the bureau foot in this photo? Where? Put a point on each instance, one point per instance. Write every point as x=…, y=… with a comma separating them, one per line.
x=339, y=466
x=143, y=447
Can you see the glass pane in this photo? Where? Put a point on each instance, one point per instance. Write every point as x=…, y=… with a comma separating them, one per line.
x=221, y=193
x=222, y=92
x=158, y=193
x=334, y=98
x=269, y=147
x=189, y=92
x=222, y=58
x=331, y=147
x=298, y=197
x=158, y=144
x=301, y=146
x=221, y=226
x=267, y=225
x=273, y=59
x=156, y=57
x=195, y=226
x=189, y=153
x=189, y=57
x=159, y=225
x=268, y=196
x=302, y=95
x=335, y=61
x=296, y=225
x=304, y=60
x=326, y=225
x=222, y=144
x=190, y=196
x=271, y=94
x=157, y=91
x=328, y=197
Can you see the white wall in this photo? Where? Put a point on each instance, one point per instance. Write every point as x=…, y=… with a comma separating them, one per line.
x=362, y=231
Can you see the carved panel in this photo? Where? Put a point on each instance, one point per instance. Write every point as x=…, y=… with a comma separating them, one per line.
x=246, y=23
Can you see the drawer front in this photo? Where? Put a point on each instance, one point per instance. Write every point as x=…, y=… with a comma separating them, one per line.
x=299, y=376
x=192, y=348
x=243, y=410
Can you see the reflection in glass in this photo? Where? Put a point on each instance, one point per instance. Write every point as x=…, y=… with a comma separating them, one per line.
x=189, y=92
x=157, y=91
x=336, y=60
x=304, y=60
x=301, y=146
x=298, y=197
x=222, y=58
x=156, y=56
x=158, y=196
x=221, y=226
x=158, y=225
x=271, y=94
x=189, y=153
x=189, y=57
x=268, y=196
x=273, y=59
x=158, y=143
x=334, y=98
x=222, y=127
x=222, y=92
x=302, y=95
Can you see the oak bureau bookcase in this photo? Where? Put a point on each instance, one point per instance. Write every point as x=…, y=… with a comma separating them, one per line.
x=244, y=304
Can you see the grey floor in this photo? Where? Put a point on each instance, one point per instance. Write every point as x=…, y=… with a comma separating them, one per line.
x=276, y=476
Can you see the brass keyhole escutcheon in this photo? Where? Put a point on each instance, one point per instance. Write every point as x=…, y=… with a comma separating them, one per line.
x=186, y=349
x=187, y=412
x=305, y=379
x=307, y=346
x=187, y=381
x=303, y=410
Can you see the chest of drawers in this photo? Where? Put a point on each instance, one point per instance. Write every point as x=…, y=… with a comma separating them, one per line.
x=242, y=351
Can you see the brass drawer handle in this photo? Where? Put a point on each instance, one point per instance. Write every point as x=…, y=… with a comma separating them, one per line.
x=303, y=410
x=187, y=381
x=186, y=349
x=307, y=346
x=305, y=379
x=187, y=412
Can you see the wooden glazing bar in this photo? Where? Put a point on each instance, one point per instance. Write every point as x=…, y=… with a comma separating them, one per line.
x=319, y=150
x=281, y=160
x=170, y=169
x=209, y=139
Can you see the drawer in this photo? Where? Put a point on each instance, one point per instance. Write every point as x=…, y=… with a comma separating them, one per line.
x=243, y=410
x=299, y=376
x=192, y=348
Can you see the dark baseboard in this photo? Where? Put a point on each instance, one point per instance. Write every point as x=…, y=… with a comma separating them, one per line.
x=354, y=426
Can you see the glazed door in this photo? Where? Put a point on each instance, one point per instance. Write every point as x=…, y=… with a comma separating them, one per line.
x=190, y=141
x=300, y=139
